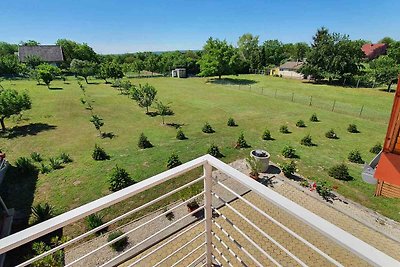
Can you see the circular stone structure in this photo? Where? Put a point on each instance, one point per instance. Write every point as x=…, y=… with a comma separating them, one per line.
x=263, y=157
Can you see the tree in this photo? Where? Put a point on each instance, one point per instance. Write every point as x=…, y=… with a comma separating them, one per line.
x=32, y=61
x=144, y=95
x=83, y=68
x=387, y=40
x=29, y=43
x=394, y=51
x=163, y=110
x=12, y=103
x=384, y=70
x=249, y=50
x=9, y=65
x=274, y=53
x=97, y=122
x=46, y=73
x=110, y=70
x=151, y=63
x=119, y=179
x=219, y=58
x=7, y=49
x=73, y=50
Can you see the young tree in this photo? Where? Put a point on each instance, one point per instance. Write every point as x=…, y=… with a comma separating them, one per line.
x=144, y=95
x=46, y=73
x=97, y=122
x=83, y=68
x=9, y=64
x=12, y=103
x=110, y=70
x=219, y=58
x=163, y=110
x=384, y=70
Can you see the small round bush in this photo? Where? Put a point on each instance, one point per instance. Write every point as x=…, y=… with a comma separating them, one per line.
x=121, y=243
x=300, y=124
x=119, y=179
x=376, y=148
x=241, y=142
x=65, y=158
x=180, y=135
x=284, y=129
x=340, y=172
x=207, y=128
x=288, y=169
x=213, y=150
x=331, y=134
x=266, y=135
x=99, y=153
x=352, y=128
x=173, y=161
x=35, y=156
x=55, y=163
x=307, y=140
x=44, y=168
x=355, y=157
x=144, y=142
x=25, y=166
x=314, y=118
x=289, y=152
x=231, y=122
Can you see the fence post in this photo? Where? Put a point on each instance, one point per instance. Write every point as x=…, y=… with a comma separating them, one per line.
x=358, y=82
x=207, y=168
x=333, y=106
x=362, y=108
x=262, y=90
x=292, y=97
x=310, y=100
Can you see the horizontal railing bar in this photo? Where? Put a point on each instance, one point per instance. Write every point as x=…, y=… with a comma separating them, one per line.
x=180, y=248
x=248, y=238
x=134, y=229
x=222, y=255
x=347, y=240
x=333, y=261
x=123, y=256
x=262, y=232
x=229, y=249
x=169, y=241
x=197, y=259
x=108, y=223
x=36, y=231
x=187, y=255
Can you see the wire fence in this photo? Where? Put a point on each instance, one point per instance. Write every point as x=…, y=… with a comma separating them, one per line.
x=361, y=111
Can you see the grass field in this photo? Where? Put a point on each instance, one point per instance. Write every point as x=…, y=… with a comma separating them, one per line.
x=60, y=123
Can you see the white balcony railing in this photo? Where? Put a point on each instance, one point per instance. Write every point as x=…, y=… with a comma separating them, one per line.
x=215, y=243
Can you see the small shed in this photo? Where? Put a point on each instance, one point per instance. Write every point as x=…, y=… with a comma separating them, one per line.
x=179, y=73
x=51, y=54
x=290, y=69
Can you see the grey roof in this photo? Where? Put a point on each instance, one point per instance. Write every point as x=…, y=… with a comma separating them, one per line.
x=294, y=65
x=48, y=53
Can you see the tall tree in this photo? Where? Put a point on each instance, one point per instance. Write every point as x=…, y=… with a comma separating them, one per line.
x=219, y=58
x=387, y=40
x=249, y=50
x=9, y=65
x=144, y=95
x=29, y=43
x=7, y=49
x=12, y=103
x=274, y=52
x=384, y=70
x=83, y=68
x=73, y=50
x=110, y=70
x=394, y=51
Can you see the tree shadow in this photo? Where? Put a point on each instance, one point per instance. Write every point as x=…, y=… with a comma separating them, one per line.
x=56, y=88
x=175, y=125
x=273, y=170
x=27, y=130
x=295, y=177
x=232, y=81
x=152, y=113
x=109, y=135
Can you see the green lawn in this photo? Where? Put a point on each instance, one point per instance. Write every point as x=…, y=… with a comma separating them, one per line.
x=62, y=124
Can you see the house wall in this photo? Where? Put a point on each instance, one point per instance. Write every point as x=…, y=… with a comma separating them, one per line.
x=290, y=74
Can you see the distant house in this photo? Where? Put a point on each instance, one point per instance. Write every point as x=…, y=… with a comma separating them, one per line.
x=51, y=54
x=372, y=51
x=290, y=69
x=180, y=73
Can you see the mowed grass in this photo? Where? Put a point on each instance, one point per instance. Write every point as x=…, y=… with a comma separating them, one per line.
x=194, y=101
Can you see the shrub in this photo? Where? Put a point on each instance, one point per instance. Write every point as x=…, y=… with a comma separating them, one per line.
x=331, y=134
x=300, y=124
x=254, y=165
x=169, y=215
x=193, y=205
x=143, y=142
x=324, y=190
x=306, y=140
x=55, y=259
x=42, y=212
x=376, y=148
x=340, y=172
x=121, y=243
x=241, y=142
x=55, y=163
x=44, y=168
x=355, y=157
x=25, y=166
x=288, y=169
x=99, y=153
x=289, y=152
x=173, y=161
x=213, y=150
x=284, y=129
x=314, y=118
x=93, y=221
x=207, y=128
x=119, y=179
x=231, y=122
x=352, y=128
x=304, y=183
x=65, y=158
x=35, y=156
x=180, y=135
x=266, y=135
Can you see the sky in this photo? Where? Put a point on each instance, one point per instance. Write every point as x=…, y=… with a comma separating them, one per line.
x=131, y=26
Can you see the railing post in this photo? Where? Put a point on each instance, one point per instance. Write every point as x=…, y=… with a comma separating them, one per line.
x=208, y=211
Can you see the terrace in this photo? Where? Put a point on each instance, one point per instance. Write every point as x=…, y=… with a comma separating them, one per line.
x=238, y=222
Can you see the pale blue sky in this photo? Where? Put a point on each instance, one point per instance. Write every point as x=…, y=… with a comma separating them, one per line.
x=130, y=26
